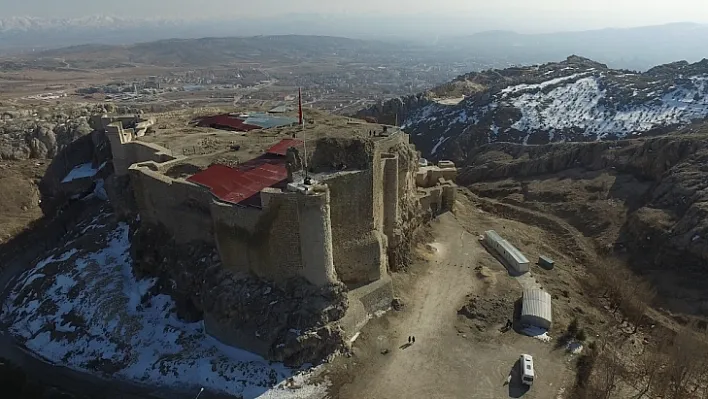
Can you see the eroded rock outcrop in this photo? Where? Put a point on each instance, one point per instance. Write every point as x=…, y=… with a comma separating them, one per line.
x=294, y=323
x=666, y=223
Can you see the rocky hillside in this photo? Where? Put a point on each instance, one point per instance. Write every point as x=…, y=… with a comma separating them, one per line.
x=645, y=197
x=574, y=100
x=41, y=132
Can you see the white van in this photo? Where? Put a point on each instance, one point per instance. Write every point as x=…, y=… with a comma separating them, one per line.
x=527, y=373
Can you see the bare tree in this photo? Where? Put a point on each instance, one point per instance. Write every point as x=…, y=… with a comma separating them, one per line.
x=636, y=302
x=684, y=363
x=627, y=293
x=605, y=376
x=648, y=366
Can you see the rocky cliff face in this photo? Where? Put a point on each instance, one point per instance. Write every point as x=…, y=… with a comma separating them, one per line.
x=659, y=183
x=575, y=100
x=43, y=132
x=297, y=322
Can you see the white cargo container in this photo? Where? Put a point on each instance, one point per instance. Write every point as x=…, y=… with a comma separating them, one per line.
x=511, y=255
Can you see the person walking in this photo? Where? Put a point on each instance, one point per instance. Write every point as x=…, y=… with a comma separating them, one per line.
x=413, y=339
x=409, y=339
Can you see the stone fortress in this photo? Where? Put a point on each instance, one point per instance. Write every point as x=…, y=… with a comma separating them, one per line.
x=341, y=213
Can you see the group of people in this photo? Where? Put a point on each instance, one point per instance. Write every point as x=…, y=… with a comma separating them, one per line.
x=373, y=133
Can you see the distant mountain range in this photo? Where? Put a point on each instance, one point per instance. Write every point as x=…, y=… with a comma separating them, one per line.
x=215, y=51
x=632, y=48
x=574, y=100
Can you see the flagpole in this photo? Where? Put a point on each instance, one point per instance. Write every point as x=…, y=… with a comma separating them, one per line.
x=304, y=139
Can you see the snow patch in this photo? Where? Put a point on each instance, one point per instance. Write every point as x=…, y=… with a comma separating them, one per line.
x=574, y=347
x=440, y=142
x=521, y=87
x=82, y=171
x=449, y=101
x=579, y=106
x=536, y=332
x=90, y=313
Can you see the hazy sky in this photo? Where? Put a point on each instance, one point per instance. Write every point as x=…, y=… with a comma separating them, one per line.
x=524, y=14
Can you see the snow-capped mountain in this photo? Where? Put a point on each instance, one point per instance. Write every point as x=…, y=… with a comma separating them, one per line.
x=574, y=100
x=28, y=33
x=25, y=24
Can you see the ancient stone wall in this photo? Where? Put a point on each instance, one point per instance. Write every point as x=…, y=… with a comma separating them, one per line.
x=390, y=195
x=316, y=237
x=356, y=242
x=438, y=199
x=289, y=237
x=448, y=197
x=182, y=207
x=367, y=205
x=240, y=248
x=343, y=231
x=127, y=152
x=430, y=175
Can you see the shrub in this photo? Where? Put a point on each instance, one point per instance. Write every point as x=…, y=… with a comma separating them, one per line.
x=573, y=327
x=581, y=335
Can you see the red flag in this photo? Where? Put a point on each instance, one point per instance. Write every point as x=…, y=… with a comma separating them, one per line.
x=299, y=106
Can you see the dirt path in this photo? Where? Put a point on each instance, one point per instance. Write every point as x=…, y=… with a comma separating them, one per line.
x=443, y=362
x=435, y=297
x=437, y=293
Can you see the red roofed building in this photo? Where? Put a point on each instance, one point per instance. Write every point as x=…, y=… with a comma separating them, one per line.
x=242, y=185
x=281, y=148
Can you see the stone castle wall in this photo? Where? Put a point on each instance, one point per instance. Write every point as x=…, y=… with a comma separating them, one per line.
x=291, y=236
x=390, y=195
x=345, y=232
x=366, y=210
x=127, y=152
x=357, y=242
x=343, y=229
x=182, y=207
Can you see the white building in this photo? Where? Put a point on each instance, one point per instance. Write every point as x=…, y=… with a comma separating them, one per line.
x=536, y=309
x=515, y=259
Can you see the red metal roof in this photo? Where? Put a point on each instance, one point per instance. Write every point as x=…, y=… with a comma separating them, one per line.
x=281, y=148
x=227, y=121
x=243, y=184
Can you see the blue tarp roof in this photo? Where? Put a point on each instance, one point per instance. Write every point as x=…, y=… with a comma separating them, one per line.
x=267, y=121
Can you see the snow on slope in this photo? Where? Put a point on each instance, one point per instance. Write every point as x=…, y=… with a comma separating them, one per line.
x=86, y=310
x=577, y=105
x=82, y=171
x=574, y=100
x=542, y=85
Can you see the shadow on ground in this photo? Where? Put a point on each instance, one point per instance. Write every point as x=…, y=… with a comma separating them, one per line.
x=516, y=388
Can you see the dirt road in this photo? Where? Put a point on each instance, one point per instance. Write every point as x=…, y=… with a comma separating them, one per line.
x=443, y=363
